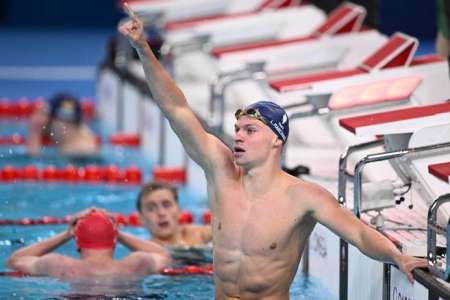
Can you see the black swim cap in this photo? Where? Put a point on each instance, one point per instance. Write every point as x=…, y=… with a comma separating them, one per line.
x=65, y=107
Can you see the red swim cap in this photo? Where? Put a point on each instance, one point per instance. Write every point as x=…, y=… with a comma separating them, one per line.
x=95, y=231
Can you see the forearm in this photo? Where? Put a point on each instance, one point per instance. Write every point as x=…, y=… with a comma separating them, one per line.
x=34, y=142
x=163, y=88
x=43, y=247
x=377, y=246
x=137, y=244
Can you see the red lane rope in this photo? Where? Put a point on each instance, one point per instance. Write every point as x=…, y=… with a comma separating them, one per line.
x=24, y=107
x=90, y=174
x=186, y=270
x=13, y=274
x=120, y=139
x=132, y=219
x=170, y=174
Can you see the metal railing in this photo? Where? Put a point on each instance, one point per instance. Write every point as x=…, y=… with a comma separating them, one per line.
x=432, y=230
x=381, y=157
x=253, y=70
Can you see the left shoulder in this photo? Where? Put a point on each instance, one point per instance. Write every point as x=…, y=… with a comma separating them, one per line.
x=309, y=193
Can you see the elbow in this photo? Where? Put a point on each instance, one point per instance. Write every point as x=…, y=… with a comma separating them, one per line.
x=12, y=262
x=166, y=259
x=163, y=261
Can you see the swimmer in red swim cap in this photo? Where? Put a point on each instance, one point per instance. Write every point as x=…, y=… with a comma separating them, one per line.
x=96, y=230
x=95, y=233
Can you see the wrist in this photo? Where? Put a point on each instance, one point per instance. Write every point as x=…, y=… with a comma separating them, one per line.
x=67, y=234
x=141, y=46
x=397, y=258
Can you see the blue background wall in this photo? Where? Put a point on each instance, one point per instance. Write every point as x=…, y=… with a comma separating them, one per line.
x=56, y=13
x=416, y=17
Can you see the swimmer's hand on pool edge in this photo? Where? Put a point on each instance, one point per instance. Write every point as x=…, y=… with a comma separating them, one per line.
x=133, y=29
x=408, y=263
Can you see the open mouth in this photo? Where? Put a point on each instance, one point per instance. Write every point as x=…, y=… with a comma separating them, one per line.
x=163, y=224
x=238, y=149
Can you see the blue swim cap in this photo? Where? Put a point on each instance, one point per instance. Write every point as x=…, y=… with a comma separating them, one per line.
x=65, y=107
x=271, y=114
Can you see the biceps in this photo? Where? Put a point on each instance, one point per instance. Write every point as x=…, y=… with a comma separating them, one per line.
x=201, y=146
x=341, y=222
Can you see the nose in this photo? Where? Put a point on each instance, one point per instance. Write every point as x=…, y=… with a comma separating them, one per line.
x=160, y=212
x=238, y=137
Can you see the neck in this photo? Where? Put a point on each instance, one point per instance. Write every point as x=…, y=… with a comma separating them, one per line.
x=259, y=179
x=97, y=255
x=176, y=238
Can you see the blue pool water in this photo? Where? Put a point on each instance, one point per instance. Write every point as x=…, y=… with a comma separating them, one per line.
x=36, y=199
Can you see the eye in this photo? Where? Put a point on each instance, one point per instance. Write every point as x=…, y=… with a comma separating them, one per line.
x=150, y=207
x=167, y=204
x=251, y=130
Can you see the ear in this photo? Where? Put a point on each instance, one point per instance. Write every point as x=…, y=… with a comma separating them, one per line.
x=278, y=143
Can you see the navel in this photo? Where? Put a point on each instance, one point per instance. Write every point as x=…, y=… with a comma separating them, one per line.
x=219, y=227
x=273, y=246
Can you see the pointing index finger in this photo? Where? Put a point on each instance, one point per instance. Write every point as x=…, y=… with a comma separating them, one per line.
x=128, y=10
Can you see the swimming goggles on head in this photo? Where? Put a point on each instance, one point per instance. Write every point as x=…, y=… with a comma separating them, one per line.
x=250, y=112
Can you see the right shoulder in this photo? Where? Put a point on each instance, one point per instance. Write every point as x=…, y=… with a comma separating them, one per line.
x=146, y=263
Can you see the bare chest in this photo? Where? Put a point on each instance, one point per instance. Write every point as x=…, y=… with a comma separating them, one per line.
x=261, y=226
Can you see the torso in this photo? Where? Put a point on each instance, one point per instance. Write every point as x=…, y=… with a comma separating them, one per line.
x=257, y=242
x=86, y=277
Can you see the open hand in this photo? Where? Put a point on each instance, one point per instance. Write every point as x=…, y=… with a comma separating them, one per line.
x=133, y=29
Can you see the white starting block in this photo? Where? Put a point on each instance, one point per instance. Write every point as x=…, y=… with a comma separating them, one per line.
x=419, y=136
x=440, y=171
x=337, y=43
x=391, y=61
x=234, y=8
x=282, y=56
x=346, y=18
x=183, y=12
x=283, y=23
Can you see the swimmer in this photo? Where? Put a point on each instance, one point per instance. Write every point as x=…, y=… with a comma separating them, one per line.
x=61, y=120
x=95, y=234
x=158, y=208
x=262, y=216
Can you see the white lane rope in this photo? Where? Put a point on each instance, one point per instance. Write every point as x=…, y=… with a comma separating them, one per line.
x=47, y=72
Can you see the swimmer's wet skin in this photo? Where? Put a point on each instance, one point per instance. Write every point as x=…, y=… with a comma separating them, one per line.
x=262, y=216
x=61, y=120
x=96, y=235
x=157, y=204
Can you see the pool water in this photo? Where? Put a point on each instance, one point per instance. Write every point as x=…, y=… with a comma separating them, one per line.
x=37, y=199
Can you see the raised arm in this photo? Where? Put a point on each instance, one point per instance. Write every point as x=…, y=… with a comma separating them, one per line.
x=36, y=127
x=201, y=146
x=326, y=210
x=34, y=259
